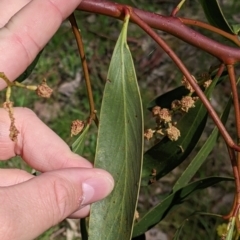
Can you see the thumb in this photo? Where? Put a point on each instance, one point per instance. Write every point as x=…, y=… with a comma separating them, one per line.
x=30, y=208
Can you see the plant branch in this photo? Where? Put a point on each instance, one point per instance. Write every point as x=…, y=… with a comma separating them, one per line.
x=186, y=73
x=233, y=82
x=177, y=8
x=79, y=41
x=172, y=25
x=236, y=204
x=232, y=37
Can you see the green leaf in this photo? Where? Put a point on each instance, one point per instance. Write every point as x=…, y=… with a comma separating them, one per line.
x=215, y=15
x=165, y=100
x=29, y=69
x=230, y=228
x=179, y=230
x=141, y=237
x=236, y=28
x=119, y=147
x=79, y=143
x=156, y=214
x=78, y=147
x=202, y=153
x=167, y=154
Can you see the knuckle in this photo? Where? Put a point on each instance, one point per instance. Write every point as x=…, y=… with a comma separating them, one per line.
x=64, y=198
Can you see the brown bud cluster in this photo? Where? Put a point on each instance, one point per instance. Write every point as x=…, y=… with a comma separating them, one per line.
x=163, y=118
x=186, y=103
x=136, y=215
x=173, y=133
x=207, y=83
x=165, y=115
x=8, y=105
x=148, y=134
x=76, y=127
x=166, y=125
x=155, y=111
x=187, y=85
x=43, y=90
x=176, y=104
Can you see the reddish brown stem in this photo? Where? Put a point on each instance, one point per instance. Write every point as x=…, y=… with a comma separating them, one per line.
x=233, y=82
x=186, y=73
x=172, y=25
x=174, y=12
x=79, y=41
x=177, y=8
x=211, y=28
x=236, y=203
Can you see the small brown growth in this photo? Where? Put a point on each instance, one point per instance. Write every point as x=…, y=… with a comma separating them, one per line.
x=156, y=111
x=148, y=134
x=173, y=133
x=207, y=83
x=175, y=104
x=43, y=90
x=136, y=215
x=195, y=98
x=154, y=172
x=165, y=115
x=187, y=85
x=8, y=105
x=186, y=103
x=76, y=127
x=181, y=148
x=160, y=131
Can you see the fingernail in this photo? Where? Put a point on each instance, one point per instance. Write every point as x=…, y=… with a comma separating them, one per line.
x=95, y=189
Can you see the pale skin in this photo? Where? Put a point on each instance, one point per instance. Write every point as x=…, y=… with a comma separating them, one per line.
x=68, y=184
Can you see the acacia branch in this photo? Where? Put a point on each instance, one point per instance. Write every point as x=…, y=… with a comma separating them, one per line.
x=118, y=11
x=193, y=22
x=169, y=24
x=80, y=46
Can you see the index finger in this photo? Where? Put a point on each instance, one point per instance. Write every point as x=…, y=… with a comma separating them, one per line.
x=37, y=144
x=28, y=31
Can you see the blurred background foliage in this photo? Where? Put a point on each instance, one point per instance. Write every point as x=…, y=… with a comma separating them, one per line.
x=156, y=74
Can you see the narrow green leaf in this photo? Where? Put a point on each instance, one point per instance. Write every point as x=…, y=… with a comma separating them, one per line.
x=202, y=153
x=167, y=154
x=177, y=233
x=29, y=69
x=236, y=28
x=78, y=147
x=179, y=230
x=215, y=15
x=230, y=228
x=79, y=143
x=156, y=214
x=141, y=237
x=165, y=100
x=119, y=147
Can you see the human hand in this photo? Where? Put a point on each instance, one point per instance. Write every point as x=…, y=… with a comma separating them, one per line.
x=30, y=205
